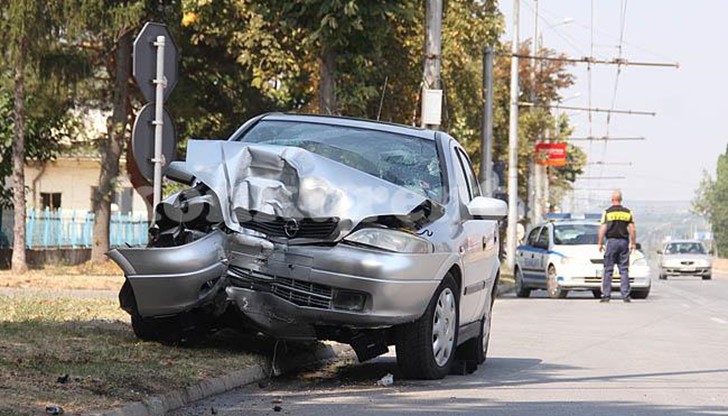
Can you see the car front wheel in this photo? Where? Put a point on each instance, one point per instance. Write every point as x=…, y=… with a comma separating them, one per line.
x=640, y=293
x=426, y=347
x=521, y=290
x=552, y=286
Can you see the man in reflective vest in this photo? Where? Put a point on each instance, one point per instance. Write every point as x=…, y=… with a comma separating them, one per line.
x=617, y=226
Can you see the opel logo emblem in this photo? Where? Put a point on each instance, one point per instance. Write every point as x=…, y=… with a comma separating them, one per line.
x=291, y=227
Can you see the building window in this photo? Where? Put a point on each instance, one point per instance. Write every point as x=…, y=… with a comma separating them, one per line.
x=50, y=200
x=121, y=200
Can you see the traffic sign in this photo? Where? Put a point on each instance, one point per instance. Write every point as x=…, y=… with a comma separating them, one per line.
x=142, y=141
x=145, y=60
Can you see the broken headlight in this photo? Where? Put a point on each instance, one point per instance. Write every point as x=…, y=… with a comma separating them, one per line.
x=390, y=240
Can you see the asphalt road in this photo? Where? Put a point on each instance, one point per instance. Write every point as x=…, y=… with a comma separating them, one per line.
x=667, y=356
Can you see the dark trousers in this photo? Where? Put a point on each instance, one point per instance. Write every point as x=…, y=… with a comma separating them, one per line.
x=617, y=253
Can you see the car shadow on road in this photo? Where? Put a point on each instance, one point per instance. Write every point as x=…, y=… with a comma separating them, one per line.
x=348, y=384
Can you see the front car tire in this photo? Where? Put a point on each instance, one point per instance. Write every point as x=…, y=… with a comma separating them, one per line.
x=426, y=347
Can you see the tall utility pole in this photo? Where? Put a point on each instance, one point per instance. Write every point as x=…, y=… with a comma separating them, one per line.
x=486, y=143
x=432, y=103
x=513, y=148
x=535, y=194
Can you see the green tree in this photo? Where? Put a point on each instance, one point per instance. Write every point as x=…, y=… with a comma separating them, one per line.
x=28, y=29
x=105, y=31
x=701, y=202
x=712, y=201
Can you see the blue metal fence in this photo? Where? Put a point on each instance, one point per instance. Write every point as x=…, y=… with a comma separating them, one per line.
x=74, y=229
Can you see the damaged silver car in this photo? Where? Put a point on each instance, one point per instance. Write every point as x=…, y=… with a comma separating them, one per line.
x=312, y=227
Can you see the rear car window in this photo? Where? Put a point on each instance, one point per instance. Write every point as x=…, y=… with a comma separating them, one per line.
x=407, y=161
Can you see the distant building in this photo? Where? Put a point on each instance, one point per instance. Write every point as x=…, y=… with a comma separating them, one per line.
x=69, y=183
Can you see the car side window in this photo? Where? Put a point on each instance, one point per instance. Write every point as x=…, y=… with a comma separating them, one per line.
x=533, y=236
x=462, y=182
x=467, y=167
x=543, y=237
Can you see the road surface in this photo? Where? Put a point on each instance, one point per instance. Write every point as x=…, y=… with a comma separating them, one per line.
x=666, y=356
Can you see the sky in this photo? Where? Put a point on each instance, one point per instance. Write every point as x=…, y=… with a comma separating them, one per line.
x=688, y=132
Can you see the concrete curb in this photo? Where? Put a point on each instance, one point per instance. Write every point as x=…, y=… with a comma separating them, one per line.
x=161, y=404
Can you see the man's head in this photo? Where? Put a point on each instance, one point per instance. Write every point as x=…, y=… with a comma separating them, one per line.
x=616, y=197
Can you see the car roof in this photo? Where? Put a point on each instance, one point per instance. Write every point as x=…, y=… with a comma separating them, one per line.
x=560, y=222
x=352, y=122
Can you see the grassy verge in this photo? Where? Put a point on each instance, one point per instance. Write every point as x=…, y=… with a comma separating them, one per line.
x=91, y=341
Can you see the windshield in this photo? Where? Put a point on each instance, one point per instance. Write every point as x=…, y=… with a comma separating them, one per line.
x=575, y=234
x=407, y=161
x=685, y=248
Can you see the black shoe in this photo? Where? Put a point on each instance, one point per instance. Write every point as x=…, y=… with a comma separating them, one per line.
x=627, y=300
x=603, y=300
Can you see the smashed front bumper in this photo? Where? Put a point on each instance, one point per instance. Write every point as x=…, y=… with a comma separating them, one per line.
x=288, y=291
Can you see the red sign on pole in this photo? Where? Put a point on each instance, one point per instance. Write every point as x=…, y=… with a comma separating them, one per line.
x=551, y=154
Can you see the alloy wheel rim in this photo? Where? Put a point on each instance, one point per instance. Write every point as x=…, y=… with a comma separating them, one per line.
x=443, y=327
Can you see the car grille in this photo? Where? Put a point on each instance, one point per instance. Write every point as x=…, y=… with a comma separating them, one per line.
x=301, y=293
x=274, y=226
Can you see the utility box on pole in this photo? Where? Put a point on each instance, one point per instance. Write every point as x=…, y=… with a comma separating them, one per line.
x=431, y=89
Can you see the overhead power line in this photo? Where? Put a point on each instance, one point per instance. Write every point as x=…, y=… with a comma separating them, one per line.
x=593, y=60
x=603, y=163
x=603, y=139
x=592, y=110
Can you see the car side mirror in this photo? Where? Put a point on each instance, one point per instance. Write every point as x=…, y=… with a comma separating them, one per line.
x=483, y=208
x=177, y=171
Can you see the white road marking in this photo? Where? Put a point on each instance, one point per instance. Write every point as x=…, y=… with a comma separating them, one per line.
x=720, y=321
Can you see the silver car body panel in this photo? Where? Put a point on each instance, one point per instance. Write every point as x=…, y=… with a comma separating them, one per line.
x=287, y=286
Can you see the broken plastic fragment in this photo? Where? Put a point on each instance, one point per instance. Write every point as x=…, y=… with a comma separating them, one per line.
x=386, y=381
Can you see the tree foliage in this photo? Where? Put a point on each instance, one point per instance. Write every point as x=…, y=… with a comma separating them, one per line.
x=711, y=201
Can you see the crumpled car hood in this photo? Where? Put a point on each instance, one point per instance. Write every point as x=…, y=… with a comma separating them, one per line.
x=289, y=182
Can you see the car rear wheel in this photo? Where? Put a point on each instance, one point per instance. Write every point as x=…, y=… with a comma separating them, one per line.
x=426, y=347
x=552, y=286
x=521, y=290
x=475, y=350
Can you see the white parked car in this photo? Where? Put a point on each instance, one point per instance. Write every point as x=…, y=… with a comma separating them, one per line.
x=685, y=257
x=562, y=256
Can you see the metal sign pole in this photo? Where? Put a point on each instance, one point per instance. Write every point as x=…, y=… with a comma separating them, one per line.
x=160, y=84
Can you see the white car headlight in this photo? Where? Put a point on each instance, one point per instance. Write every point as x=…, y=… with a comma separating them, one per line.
x=569, y=260
x=390, y=240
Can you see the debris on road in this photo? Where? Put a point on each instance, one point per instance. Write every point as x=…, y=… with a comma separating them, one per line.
x=63, y=379
x=386, y=381
x=54, y=410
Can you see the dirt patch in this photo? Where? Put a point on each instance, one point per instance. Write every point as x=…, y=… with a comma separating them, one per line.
x=81, y=354
x=106, y=276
